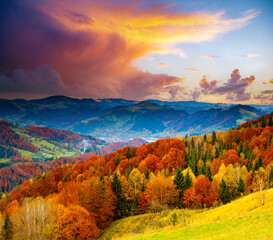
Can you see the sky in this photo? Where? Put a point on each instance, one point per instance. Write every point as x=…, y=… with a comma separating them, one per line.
x=209, y=51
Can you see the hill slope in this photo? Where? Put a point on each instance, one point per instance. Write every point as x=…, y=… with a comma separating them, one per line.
x=244, y=218
x=42, y=143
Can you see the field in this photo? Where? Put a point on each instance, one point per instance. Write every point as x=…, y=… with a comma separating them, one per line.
x=242, y=219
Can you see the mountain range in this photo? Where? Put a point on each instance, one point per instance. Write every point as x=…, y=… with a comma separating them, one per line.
x=122, y=120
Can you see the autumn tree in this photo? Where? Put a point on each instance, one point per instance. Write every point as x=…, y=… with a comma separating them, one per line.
x=162, y=191
x=35, y=220
x=204, y=191
x=135, y=180
x=7, y=229
x=75, y=222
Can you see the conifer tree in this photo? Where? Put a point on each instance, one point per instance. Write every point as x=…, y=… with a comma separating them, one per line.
x=241, y=186
x=258, y=163
x=224, y=194
x=147, y=173
x=188, y=180
x=270, y=122
x=240, y=148
x=263, y=122
x=120, y=210
x=208, y=173
x=117, y=159
x=7, y=230
x=128, y=153
x=180, y=183
x=213, y=139
x=269, y=140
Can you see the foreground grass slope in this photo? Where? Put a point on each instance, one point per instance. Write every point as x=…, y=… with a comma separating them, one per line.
x=245, y=218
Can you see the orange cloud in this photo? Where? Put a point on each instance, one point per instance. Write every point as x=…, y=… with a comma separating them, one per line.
x=191, y=69
x=208, y=56
x=162, y=64
x=254, y=55
x=91, y=44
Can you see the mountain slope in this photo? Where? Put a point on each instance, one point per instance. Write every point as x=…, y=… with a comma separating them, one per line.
x=245, y=218
x=151, y=121
x=42, y=143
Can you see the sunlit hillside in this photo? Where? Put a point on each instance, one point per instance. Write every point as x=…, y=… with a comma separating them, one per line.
x=245, y=218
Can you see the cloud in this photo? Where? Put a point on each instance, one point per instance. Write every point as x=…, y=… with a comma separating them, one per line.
x=205, y=84
x=90, y=45
x=191, y=69
x=249, y=55
x=254, y=55
x=209, y=56
x=234, y=89
x=162, y=64
x=42, y=80
x=265, y=96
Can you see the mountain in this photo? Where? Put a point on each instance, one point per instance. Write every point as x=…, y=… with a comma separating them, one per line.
x=120, y=120
x=41, y=143
x=151, y=121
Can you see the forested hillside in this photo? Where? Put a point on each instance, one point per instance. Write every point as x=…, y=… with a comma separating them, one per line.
x=79, y=200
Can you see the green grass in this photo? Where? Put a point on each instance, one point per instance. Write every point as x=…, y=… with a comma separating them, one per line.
x=242, y=219
x=4, y=160
x=46, y=149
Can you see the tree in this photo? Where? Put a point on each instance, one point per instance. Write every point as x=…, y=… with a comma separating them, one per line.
x=208, y=173
x=117, y=159
x=135, y=180
x=213, y=138
x=162, y=191
x=224, y=192
x=7, y=230
x=180, y=183
x=258, y=163
x=120, y=210
x=128, y=152
x=75, y=222
x=241, y=186
x=35, y=220
x=188, y=180
x=204, y=191
x=260, y=182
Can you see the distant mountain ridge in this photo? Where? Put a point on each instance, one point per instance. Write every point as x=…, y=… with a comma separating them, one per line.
x=121, y=120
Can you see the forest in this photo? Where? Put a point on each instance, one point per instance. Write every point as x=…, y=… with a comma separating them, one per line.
x=78, y=200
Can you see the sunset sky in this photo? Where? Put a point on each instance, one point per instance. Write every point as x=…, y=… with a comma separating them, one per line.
x=213, y=51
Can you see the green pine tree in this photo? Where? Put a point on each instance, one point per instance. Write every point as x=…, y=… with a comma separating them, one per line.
x=241, y=186
x=240, y=148
x=180, y=183
x=269, y=140
x=270, y=122
x=7, y=230
x=188, y=181
x=263, y=122
x=208, y=173
x=258, y=163
x=128, y=153
x=117, y=159
x=147, y=173
x=120, y=210
x=224, y=192
x=213, y=139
